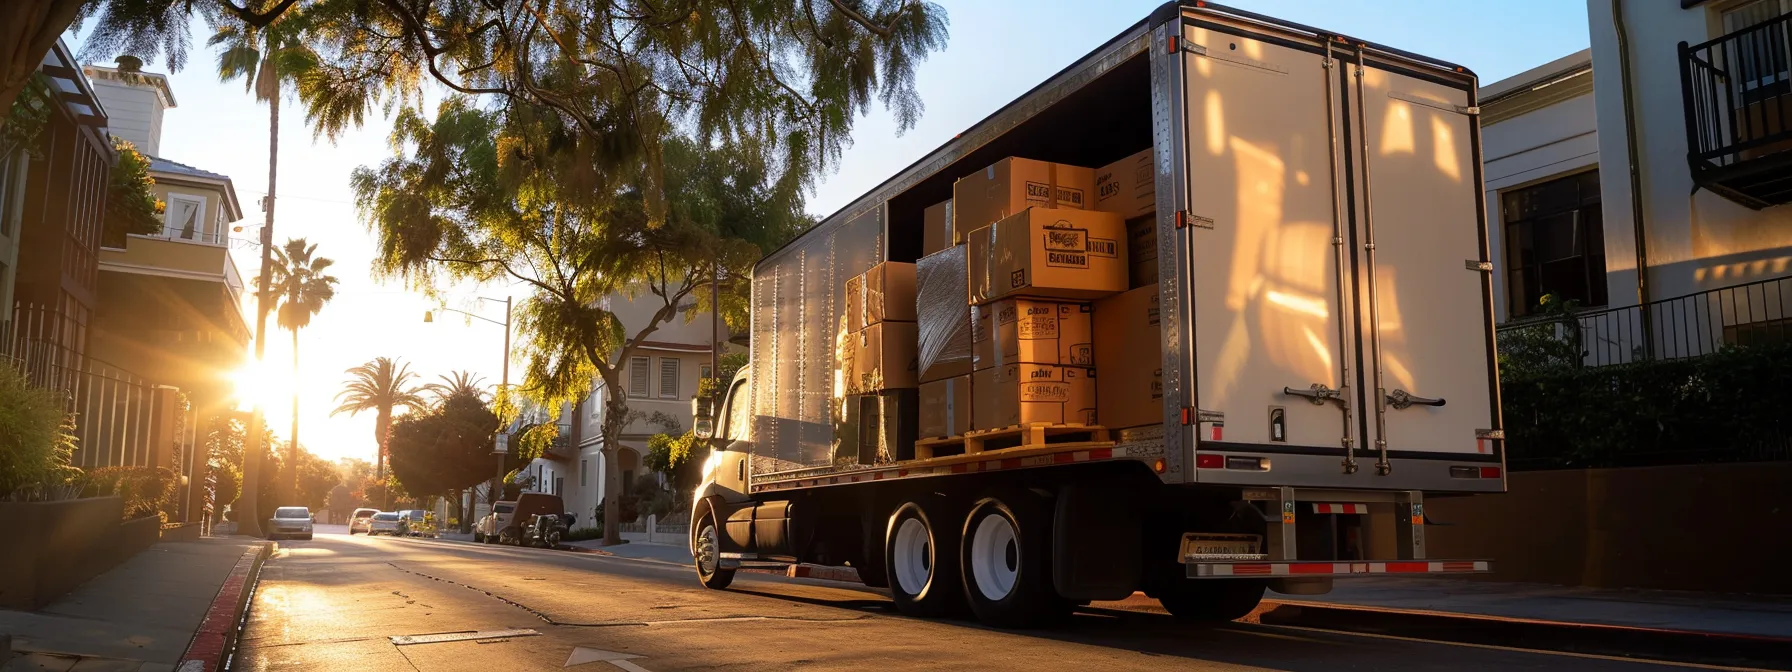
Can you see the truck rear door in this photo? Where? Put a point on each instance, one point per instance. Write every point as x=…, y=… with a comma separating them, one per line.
x=1294, y=311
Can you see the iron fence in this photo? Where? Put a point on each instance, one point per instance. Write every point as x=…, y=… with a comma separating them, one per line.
x=1755, y=313
x=112, y=407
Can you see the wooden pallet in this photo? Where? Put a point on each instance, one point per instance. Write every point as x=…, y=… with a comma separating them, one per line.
x=1029, y=435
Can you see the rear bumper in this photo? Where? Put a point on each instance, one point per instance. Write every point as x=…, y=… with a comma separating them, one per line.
x=1279, y=569
x=1305, y=468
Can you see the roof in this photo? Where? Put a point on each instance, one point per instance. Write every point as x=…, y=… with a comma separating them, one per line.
x=1538, y=76
x=161, y=165
x=153, y=80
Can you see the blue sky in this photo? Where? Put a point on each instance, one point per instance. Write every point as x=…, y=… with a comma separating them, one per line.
x=998, y=50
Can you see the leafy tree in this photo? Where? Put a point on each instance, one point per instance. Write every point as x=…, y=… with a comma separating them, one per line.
x=354, y=469
x=131, y=207
x=36, y=435
x=446, y=448
x=341, y=502
x=507, y=195
x=299, y=289
x=1553, y=342
x=382, y=386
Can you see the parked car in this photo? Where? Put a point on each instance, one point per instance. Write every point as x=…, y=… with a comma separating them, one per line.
x=416, y=523
x=361, y=519
x=385, y=522
x=486, y=530
x=292, y=522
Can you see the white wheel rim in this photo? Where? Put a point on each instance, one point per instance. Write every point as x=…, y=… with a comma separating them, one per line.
x=913, y=556
x=995, y=557
x=706, y=550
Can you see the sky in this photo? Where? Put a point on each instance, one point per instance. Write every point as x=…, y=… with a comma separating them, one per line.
x=998, y=49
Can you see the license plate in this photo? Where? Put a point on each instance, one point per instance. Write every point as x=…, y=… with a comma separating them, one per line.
x=1221, y=546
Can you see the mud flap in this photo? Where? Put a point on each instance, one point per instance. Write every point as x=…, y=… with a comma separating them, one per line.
x=1096, y=544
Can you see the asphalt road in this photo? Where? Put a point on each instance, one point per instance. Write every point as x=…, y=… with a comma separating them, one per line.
x=337, y=602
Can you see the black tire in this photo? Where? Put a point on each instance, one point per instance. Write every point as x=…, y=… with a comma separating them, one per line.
x=706, y=550
x=478, y=538
x=512, y=535
x=921, y=559
x=1212, y=600
x=1008, y=571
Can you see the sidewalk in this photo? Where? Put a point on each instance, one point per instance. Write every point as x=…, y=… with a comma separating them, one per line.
x=141, y=615
x=1741, y=615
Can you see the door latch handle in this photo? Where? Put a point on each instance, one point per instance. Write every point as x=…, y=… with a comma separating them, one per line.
x=1401, y=399
x=1319, y=394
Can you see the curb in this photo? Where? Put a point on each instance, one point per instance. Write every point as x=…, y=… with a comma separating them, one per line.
x=215, y=641
x=1663, y=644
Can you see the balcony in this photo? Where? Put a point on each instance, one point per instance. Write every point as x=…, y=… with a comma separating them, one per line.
x=1738, y=96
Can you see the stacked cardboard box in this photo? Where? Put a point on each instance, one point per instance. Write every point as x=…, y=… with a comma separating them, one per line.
x=1129, y=354
x=943, y=305
x=878, y=352
x=1014, y=184
x=1128, y=188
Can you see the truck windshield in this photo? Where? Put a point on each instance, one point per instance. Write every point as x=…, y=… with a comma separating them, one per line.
x=506, y=508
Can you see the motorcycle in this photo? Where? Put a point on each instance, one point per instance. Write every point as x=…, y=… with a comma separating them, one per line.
x=544, y=530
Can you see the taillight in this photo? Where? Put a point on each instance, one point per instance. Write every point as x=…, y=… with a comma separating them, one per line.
x=1210, y=461
x=1490, y=472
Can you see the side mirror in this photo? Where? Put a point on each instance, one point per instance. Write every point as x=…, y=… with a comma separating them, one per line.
x=702, y=423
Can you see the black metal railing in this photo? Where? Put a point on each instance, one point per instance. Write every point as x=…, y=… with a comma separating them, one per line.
x=1737, y=91
x=112, y=407
x=1755, y=313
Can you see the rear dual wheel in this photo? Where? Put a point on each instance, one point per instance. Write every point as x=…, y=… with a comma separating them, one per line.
x=921, y=559
x=1006, y=559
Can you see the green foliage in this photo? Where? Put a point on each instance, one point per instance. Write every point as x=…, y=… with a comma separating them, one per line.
x=227, y=481
x=147, y=491
x=36, y=435
x=1552, y=341
x=445, y=448
x=299, y=287
x=29, y=114
x=131, y=205
x=1722, y=407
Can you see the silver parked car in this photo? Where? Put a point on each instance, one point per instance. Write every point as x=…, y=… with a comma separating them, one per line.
x=385, y=522
x=292, y=522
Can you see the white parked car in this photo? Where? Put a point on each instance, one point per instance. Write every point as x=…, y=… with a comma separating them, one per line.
x=361, y=521
x=487, y=529
x=385, y=522
x=292, y=522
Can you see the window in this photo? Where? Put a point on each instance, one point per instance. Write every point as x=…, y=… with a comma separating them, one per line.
x=740, y=415
x=559, y=485
x=668, y=378
x=1760, y=56
x=584, y=473
x=1554, y=243
x=702, y=371
x=637, y=376
x=184, y=217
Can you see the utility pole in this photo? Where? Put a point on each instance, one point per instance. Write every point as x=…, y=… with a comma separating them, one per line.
x=503, y=386
x=247, y=517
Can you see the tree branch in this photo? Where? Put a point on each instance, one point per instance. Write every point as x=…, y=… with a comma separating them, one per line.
x=257, y=19
x=883, y=31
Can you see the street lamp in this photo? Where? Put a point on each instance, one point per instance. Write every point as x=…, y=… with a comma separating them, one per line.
x=503, y=385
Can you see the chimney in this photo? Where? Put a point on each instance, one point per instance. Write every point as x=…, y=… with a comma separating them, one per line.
x=134, y=101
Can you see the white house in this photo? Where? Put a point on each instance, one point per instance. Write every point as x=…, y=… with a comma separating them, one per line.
x=662, y=377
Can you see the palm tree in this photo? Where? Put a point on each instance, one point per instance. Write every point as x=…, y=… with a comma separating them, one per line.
x=299, y=288
x=381, y=386
x=457, y=384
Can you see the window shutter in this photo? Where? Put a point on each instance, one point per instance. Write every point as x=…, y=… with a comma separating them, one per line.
x=668, y=378
x=637, y=377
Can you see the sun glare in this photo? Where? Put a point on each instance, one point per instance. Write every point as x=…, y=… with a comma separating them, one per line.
x=258, y=383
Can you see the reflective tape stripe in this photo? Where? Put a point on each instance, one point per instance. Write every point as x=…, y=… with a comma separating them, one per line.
x=1212, y=569
x=1341, y=508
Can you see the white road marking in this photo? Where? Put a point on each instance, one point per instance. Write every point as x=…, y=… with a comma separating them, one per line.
x=403, y=640
x=585, y=654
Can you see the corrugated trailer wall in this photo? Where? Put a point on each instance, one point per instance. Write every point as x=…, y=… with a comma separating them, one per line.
x=797, y=329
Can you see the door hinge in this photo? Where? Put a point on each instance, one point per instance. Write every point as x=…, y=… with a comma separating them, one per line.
x=1482, y=266
x=1470, y=110
x=1498, y=434
x=1184, y=220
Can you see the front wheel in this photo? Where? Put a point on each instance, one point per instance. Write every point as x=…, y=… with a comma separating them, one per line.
x=1212, y=600
x=553, y=539
x=478, y=538
x=706, y=551
x=1006, y=558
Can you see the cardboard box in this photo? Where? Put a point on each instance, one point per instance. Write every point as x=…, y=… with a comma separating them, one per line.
x=1034, y=331
x=878, y=428
x=1052, y=253
x=1141, y=251
x=976, y=259
x=1129, y=354
x=936, y=228
x=1015, y=184
x=1127, y=187
x=946, y=407
x=1019, y=394
x=883, y=358
x=944, y=311
x=886, y=292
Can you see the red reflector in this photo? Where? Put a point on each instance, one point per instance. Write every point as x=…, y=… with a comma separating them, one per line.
x=1490, y=472
x=1210, y=461
x=1185, y=418
x=1172, y=44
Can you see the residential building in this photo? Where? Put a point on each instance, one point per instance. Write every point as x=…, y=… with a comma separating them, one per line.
x=1702, y=91
x=662, y=376
x=135, y=101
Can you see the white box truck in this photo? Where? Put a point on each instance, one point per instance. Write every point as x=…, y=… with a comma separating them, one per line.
x=1327, y=346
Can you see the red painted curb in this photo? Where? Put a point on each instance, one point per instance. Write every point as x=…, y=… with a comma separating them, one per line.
x=219, y=629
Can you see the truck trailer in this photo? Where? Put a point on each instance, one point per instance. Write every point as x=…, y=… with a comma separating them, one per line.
x=1325, y=328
